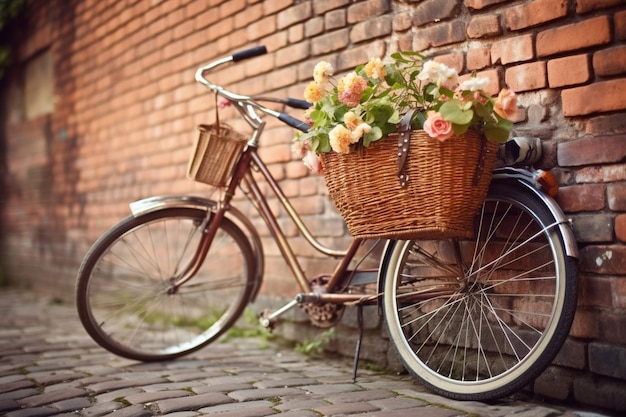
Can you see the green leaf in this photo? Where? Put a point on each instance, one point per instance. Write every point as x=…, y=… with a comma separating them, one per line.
x=453, y=112
x=372, y=136
x=498, y=132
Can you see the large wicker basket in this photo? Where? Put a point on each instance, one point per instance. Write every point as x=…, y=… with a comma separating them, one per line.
x=447, y=183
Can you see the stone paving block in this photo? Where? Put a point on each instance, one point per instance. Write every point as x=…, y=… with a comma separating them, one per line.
x=32, y=412
x=202, y=389
x=133, y=411
x=300, y=403
x=7, y=405
x=193, y=402
x=358, y=396
x=50, y=397
x=116, y=394
x=101, y=409
x=251, y=408
x=19, y=394
x=15, y=385
x=256, y=394
x=347, y=408
x=397, y=403
x=117, y=384
x=331, y=388
x=289, y=382
x=148, y=397
x=71, y=404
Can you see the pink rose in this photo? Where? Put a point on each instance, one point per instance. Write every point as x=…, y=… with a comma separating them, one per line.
x=506, y=104
x=312, y=161
x=436, y=127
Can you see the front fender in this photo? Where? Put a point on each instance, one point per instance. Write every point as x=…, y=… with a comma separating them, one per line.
x=151, y=204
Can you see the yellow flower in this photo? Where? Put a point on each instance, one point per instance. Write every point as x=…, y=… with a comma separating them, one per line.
x=340, y=139
x=351, y=120
x=375, y=69
x=313, y=92
x=322, y=72
x=359, y=131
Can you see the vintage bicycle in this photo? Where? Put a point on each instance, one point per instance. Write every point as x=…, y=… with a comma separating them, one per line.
x=472, y=318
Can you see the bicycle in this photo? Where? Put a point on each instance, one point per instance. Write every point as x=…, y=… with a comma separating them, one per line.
x=472, y=319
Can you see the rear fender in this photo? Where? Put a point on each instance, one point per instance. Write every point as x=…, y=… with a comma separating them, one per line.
x=151, y=204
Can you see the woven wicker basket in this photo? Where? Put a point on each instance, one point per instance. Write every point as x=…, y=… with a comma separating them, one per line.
x=216, y=150
x=447, y=183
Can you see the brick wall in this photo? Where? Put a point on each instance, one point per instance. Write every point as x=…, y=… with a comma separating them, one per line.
x=126, y=105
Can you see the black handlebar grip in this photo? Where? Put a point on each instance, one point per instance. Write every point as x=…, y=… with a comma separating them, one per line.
x=249, y=53
x=293, y=122
x=297, y=104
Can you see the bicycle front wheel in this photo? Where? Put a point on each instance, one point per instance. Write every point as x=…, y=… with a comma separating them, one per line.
x=125, y=295
x=478, y=319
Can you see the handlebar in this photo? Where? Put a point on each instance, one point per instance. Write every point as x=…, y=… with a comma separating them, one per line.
x=247, y=104
x=249, y=53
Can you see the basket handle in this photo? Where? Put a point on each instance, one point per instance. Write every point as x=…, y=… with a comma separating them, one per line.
x=404, y=141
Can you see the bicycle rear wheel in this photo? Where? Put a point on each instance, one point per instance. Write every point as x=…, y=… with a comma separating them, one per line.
x=124, y=291
x=479, y=319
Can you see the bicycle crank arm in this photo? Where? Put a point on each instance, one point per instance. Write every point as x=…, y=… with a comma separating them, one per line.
x=314, y=297
x=268, y=319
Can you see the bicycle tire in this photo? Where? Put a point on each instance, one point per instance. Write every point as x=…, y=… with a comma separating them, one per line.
x=495, y=327
x=122, y=285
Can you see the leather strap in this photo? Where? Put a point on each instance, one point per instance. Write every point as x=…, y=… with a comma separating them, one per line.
x=404, y=141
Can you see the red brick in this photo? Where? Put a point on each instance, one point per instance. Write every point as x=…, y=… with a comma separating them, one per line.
x=434, y=11
x=401, y=21
x=323, y=6
x=599, y=97
x=478, y=58
x=616, y=194
x=619, y=20
x=585, y=6
x=596, y=292
x=335, y=19
x=511, y=50
x=484, y=26
x=589, y=151
x=367, y=9
x=373, y=28
x=567, y=71
x=603, y=259
x=602, y=173
x=613, y=124
x=453, y=60
x=295, y=14
x=585, y=197
x=587, y=33
x=534, y=13
x=610, y=62
x=620, y=233
x=262, y=27
x=271, y=7
x=330, y=42
x=526, y=77
x=481, y=4
x=441, y=34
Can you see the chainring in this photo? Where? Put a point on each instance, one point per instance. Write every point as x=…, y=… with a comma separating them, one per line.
x=322, y=315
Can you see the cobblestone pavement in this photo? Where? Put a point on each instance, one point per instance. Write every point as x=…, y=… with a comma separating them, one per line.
x=49, y=366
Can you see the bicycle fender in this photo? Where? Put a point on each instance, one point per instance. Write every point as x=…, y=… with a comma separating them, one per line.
x=151, y=204
x=526, y=179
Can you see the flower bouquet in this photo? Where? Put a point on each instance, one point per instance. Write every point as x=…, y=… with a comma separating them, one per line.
x=406, y=148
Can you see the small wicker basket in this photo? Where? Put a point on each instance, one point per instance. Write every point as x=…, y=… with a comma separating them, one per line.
x=446, y=184
x=216, y=150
